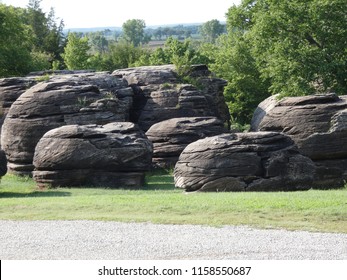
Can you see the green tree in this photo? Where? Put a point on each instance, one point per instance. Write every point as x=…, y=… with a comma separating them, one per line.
x=76, y=54
x=300, y=46
x=210, y=30
x=15, y=58
x=134, y=32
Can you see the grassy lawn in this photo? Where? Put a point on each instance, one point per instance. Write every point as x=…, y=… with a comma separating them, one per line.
x=159, y=202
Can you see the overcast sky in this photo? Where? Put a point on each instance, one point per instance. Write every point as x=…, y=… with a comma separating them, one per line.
x=102, y=13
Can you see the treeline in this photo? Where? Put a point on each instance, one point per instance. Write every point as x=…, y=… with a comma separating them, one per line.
x=30, y=40
x=288, y=47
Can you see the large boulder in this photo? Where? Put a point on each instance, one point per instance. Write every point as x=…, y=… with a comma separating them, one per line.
x=318, y=125
x=160, y=94
x=85, y=98
x=13, y=87
x=170, y=137
x=114, y=155
x=258, y=161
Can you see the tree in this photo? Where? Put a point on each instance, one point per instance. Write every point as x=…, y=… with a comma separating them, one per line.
x=210, y=30
x=76, y=52
x=15, y=58
x=133, y=32
x=300, y=46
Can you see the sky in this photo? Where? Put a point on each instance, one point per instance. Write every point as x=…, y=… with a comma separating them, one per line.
x=113, y=13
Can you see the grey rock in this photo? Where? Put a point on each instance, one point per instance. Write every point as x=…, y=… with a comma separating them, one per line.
x=170, y=137
x=86, y=98
x=160, y=94
x=317, y=124
x=10, y=90
x=113, y=155
x=258, y=161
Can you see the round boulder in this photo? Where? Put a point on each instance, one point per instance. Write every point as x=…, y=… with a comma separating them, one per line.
x=258, y=161
x=114, y=155
x=170, y=137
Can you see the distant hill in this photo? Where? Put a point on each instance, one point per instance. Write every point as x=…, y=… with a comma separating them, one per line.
x=119, y=29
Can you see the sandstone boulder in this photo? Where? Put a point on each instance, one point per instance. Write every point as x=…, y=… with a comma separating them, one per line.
x=318, y=125
x=86, y=98
x=160, y=94
x=258, y=161
x=170, y=137
x=114, y=155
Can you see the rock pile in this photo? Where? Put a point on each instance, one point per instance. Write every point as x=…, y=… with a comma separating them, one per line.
x=160, y=94
x=113, y=155
x=318, y=125
x=258, y=161
x=88, y=98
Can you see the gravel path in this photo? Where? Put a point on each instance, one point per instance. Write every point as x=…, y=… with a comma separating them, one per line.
x=90, y=240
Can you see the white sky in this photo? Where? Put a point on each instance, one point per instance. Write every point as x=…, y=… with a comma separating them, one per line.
x=102, y=13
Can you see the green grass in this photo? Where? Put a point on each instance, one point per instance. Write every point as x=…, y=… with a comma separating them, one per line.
x=159, y=202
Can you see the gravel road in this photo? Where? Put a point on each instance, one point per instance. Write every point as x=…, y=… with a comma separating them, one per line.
x=90, y=240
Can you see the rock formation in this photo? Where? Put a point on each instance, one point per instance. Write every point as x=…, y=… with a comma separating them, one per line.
x=160, y=94
x=114, y=155
x=88, y=98
x=318, y=126
x=144, y=95
x=10, y=90
x=170, y=137
x=258, y=161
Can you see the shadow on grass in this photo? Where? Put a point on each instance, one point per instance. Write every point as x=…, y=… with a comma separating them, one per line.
x=159, y=182
x=34, y=194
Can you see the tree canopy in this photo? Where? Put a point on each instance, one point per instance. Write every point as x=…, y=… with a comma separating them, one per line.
x=133, y=31
x=300, y=45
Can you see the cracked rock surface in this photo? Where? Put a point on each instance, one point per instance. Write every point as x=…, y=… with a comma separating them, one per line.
x=86, y=98
x=170, y=137
x=318, y=125
x=257, y=161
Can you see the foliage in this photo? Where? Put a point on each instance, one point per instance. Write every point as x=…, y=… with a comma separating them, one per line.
x=14, y=42
x=211, y=30
x=233, y=61
x=120, y=55
x=29, y=40
x=133, y=32
x=300, y=46
x=76, y=52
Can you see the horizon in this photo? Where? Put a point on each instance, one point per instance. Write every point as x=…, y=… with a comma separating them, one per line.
x=107, y=13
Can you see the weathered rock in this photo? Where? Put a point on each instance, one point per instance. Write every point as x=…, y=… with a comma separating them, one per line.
x=10, y=90
x=258, y=161
x=114, y=155
x=170, y=137
x=318, y=125
x=161, y=95
x=87, y=98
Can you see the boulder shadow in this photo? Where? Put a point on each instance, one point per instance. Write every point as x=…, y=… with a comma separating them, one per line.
x=34, y=194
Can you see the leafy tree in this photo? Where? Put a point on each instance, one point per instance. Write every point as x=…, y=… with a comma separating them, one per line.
x=76, y=54
x=98, y=42
x=210, y=30
x=133, y=32
x=15, y=58
x=300, y=46
x=121, y=55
